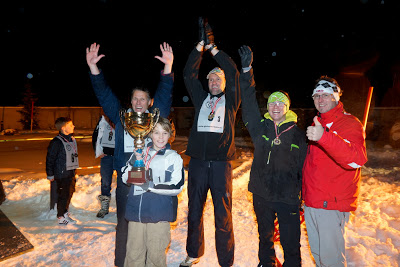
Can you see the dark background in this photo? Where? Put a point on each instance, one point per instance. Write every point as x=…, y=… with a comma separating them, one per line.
x=294, y=42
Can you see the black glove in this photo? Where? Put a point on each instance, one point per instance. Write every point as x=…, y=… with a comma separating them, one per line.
x=209, y=35
x=202, y=34
x=246, y=56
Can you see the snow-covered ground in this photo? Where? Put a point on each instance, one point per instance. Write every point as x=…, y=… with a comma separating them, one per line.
x=372, y=235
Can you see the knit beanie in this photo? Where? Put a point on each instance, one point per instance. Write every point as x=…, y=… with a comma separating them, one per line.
x=217, y=71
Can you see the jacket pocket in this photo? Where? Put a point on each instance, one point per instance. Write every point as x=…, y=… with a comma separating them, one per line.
x=156, y=208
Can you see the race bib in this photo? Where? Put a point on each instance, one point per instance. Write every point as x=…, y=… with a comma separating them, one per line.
x=71, y=152
x=212, y=115
x=108, y=137
x=128, y=142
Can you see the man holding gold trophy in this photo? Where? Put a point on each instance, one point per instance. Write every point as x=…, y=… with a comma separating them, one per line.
x=125, y=122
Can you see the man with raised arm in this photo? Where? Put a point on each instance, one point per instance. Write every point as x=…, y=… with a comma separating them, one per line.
x=211, y=148
x=275, y=178
x=141, y=102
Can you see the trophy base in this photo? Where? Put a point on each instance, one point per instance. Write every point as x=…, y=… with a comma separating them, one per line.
x=139, y=176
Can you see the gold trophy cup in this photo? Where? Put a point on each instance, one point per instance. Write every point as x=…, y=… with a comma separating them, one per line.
x=138, y=125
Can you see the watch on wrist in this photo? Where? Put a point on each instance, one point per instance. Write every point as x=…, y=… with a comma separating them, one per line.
x=212, y=46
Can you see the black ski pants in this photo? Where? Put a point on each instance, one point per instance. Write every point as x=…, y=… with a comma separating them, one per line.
x=289, y=228
x=64, y=188
x=215, y=176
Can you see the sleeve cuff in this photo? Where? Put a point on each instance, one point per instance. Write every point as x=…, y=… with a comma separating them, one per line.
x=246, y=69
x=96, y=76
x=169, y=74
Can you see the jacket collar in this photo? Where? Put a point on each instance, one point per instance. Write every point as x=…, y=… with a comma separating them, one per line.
x=161, y=151
x=291, y=116
x=333, y=113
x=217, y=96
x=68, y=137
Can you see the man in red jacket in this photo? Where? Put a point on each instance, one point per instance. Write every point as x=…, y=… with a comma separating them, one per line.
x=331, y=173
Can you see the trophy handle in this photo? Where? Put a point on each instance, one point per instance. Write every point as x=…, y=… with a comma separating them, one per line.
x=122, y=112
x=155, y=116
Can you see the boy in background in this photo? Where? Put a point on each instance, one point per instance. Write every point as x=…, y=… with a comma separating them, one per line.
x=61, y=162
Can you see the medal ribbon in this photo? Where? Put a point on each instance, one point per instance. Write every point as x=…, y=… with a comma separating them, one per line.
x=213, y=108
x=276, y=131
x=72, y=144
x=148, y=161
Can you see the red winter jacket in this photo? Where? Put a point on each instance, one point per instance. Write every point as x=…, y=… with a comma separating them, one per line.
x=332, y=169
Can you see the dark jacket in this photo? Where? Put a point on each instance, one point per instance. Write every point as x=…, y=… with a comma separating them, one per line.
x=111, y=106
x=56, y=159
x=207, y=145
x=276, y=171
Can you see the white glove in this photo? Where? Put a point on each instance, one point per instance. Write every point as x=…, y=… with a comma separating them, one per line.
x=125, y=171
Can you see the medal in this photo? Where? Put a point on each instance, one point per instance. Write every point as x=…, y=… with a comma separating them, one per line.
x=212, y=113
x=211, y=116
x=277, y=141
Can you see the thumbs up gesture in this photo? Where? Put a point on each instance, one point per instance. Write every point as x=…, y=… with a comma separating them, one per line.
x=314, y=133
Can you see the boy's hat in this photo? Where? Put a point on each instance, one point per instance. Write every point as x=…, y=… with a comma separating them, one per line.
x=279, y=96
x=217, y=71
x=325, y=86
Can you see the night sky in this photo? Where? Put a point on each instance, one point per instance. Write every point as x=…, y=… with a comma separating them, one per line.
x=294, y=42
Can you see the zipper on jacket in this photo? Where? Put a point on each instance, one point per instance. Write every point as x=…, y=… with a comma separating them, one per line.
x=140, y=208
x=269, y=154
x=205, y=147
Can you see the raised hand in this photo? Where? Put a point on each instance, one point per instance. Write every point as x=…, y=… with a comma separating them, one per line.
x=92, y=57
x=246, y=56
x=92, y=54
x=314, y=133
x=202, y=34
x=167, y=57
x=167, y=54
x=209, y=35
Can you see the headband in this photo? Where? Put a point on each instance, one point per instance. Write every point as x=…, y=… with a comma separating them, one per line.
x=279, y=96
x=324, y=86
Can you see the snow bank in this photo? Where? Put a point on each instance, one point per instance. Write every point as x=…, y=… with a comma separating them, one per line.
x=372, y=235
